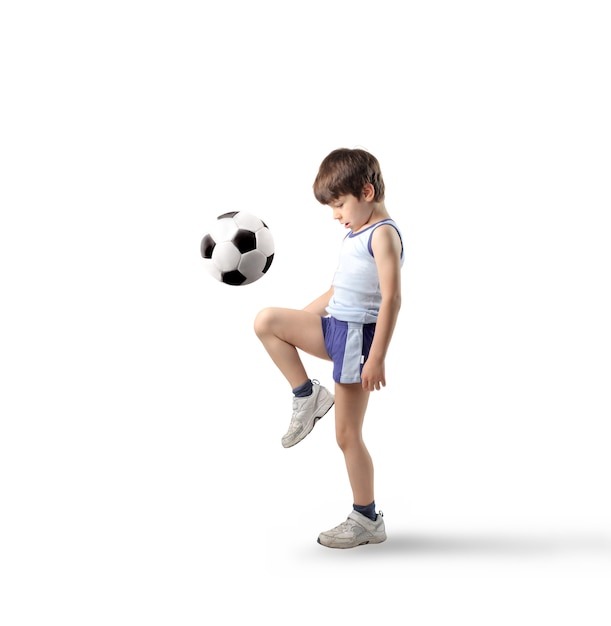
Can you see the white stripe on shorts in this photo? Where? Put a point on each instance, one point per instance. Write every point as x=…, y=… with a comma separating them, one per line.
x=353, y=354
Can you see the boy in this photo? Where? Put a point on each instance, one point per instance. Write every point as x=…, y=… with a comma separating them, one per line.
x=351, y=324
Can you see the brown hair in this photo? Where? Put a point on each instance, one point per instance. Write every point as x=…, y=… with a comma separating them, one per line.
x=345, y=171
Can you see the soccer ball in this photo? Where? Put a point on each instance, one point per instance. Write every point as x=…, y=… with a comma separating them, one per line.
x=239, y=249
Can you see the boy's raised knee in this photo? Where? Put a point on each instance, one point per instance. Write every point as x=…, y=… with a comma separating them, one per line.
x=263, y=321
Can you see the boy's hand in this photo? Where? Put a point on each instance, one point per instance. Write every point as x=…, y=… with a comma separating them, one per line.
x=373, y=376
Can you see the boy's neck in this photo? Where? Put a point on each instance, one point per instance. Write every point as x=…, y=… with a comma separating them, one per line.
x=378, y=214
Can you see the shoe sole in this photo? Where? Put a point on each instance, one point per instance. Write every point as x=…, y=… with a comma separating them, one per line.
x=305, y=434
x=363, y=543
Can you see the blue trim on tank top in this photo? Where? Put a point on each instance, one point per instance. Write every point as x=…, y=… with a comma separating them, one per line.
x=360, y=232
x=388, y=221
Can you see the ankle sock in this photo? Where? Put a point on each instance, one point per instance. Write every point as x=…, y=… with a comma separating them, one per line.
x=303, y=390
x=368, y=510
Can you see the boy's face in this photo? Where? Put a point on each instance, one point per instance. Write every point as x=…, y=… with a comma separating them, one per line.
x=352, y=212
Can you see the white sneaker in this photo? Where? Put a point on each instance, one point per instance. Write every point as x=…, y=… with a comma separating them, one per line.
x=306, y=412
x=357, y=530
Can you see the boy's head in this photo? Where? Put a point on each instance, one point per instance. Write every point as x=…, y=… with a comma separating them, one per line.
x=345, y=171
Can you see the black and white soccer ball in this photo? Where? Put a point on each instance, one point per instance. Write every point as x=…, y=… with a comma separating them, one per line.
x=239, y=249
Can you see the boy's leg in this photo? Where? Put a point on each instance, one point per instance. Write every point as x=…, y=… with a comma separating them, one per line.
x=282, y=332
x=358, y=529
x=350, y=406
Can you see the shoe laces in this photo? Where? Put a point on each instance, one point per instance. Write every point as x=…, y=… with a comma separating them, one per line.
x=348, y=524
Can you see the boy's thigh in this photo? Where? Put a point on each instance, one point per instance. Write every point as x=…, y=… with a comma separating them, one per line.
x=351, y=402
x=301, y=329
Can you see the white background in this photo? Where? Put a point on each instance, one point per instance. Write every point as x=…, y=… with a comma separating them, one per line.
x=142, y=480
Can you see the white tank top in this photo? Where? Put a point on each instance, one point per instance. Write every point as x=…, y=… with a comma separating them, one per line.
x=356, y=287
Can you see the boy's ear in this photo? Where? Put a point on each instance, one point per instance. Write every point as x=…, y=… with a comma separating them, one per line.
x=368, y=192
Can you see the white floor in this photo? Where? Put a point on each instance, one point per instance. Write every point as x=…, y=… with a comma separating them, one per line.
x=142, y=480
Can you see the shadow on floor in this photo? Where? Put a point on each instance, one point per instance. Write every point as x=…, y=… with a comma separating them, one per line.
x=498, y=544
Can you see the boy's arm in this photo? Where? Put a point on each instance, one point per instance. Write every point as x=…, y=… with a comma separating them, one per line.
x=319, y=306
x=386, y=246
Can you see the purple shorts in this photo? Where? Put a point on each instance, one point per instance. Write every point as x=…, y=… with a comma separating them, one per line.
x=348, y=345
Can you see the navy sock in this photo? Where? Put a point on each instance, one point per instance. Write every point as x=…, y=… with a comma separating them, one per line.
x=303, y=390
x=368, y=511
